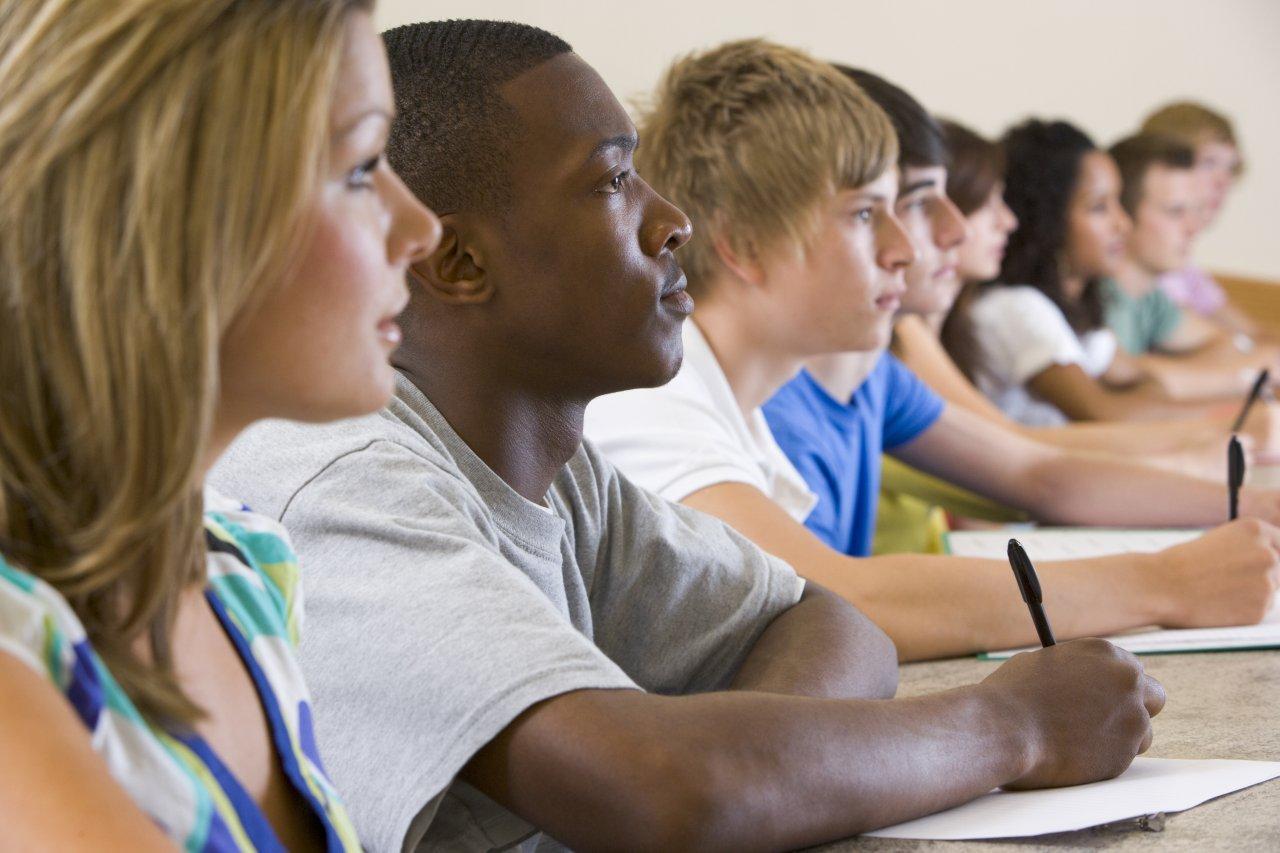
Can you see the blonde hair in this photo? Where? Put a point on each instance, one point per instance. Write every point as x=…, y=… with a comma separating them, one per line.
x=748, y=137
x=1193, y=124
x=156, y=161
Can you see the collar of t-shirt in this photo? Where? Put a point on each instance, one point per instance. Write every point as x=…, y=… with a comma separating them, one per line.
x=531, y=521
x=752, y=434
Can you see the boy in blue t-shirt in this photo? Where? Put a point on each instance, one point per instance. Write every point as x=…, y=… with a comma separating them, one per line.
x=836, y=445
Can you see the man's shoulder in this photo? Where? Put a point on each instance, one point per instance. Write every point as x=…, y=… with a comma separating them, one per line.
x=272, y=461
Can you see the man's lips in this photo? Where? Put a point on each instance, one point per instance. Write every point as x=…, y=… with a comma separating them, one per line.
x=674, y=295
x=675, y=283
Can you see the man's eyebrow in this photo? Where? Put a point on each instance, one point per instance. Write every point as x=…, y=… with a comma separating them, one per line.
x=627, y=142
x=877, y=198
x=352, y=123
x=914, y=186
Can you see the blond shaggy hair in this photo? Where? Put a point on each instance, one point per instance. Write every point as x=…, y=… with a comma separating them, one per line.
x=748, y=138
x=157, y=160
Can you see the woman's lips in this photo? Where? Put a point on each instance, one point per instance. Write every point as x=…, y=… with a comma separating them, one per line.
x=389, y=332
x=889, y=302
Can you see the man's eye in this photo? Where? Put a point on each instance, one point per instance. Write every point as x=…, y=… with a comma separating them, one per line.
x=618, y=181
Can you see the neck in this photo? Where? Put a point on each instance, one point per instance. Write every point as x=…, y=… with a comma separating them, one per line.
x=1133, y=278
x=523, y=437
x=752, y=362
x=843, y=373
x=226, y=426
x=933, y=322
x=1073, y=286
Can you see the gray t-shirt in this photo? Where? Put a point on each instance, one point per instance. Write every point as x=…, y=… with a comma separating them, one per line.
x=441, y=604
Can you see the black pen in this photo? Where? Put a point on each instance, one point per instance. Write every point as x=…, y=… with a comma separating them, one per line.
x=1029, y=585
x=1254, y=393
x=1235, y=477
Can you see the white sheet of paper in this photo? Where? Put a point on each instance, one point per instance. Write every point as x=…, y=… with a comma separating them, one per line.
x=1150, y=785
x=1080, y=543
x=1067, y=543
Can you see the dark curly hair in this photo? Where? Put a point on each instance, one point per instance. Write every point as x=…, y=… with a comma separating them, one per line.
x=1042, y=168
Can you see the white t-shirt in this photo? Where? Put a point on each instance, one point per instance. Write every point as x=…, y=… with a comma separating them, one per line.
x=690, y=434
x=1020, y=333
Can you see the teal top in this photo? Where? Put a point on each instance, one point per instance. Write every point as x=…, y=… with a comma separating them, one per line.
x=1141, y=325
x=175, y=777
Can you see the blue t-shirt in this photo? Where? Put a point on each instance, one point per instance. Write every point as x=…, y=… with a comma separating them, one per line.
x=836, y=446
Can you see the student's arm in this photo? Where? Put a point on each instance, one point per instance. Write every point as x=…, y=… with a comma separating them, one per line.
x=920, y=350
x=1192, y=334
x=755, y=771
x=1070, y=487
x=1235, y=321
x=821, y=647
x=1185, y=382
x=55, y=791
x=940, y=606
x=1083, y=398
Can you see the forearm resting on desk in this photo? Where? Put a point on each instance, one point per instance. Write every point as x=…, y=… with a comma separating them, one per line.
x=756, y=771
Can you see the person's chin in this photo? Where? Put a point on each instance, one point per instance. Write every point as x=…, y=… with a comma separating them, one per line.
x=653, y=368
x=872, y=336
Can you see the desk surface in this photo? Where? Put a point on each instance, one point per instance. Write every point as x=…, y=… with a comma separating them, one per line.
x=1221, y=705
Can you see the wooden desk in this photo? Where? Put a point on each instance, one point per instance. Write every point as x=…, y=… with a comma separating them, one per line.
x=1221, y=705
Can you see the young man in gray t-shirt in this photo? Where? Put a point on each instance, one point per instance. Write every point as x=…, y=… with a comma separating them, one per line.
x=504, y=636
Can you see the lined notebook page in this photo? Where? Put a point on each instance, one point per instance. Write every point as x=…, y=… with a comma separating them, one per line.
x=1150, y=785
x=1044, y=546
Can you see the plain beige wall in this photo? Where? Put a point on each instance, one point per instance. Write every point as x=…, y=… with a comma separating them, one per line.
x=985, y=62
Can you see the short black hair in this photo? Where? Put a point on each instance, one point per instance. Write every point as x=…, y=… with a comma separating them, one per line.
x=450, y=138
x=1135, y=155
x=921, y=143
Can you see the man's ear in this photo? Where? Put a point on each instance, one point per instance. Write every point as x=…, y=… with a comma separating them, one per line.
x=741, y=262
x=454, y=273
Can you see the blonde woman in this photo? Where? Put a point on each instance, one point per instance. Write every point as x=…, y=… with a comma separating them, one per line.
x=197, y=230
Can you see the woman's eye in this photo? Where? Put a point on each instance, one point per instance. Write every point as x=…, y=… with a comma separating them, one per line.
x=863, y=214
x=362, y=176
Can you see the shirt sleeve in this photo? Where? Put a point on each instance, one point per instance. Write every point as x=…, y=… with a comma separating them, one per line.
x=37, y=626
x=678, y=597
x=1166, y=316
x=1193, y=288
x=797, y=429
x=266, y=545
x=423, y=641
x=670, y=440
x=1023, y=333
x=912, y=407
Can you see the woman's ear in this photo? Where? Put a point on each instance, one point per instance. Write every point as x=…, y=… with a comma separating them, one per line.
x=454, y=273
